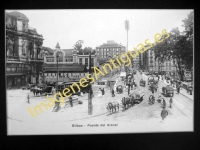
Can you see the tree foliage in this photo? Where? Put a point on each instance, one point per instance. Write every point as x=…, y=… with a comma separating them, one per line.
x=178, y=47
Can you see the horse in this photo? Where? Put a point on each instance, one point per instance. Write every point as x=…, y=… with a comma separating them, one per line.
x=36, y=91
x=125, y=102
x=112, y=105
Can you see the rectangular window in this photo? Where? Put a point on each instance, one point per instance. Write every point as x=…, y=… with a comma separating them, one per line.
x=69, y=58
x=92, y=62
x=80, y=61
x=86, y=61
x=60, y=59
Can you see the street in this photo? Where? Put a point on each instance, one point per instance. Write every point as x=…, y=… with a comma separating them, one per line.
x=140, y=118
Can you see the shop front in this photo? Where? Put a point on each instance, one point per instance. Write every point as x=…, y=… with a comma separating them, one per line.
x=16, y=81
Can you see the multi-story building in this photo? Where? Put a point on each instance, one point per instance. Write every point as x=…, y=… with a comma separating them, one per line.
x=135, y=62
x=147, y=62
x=71, y=64
x=23, y=51
x=109, y=49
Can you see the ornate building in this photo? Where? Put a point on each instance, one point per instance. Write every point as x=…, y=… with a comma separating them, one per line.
x=72, y=65
x=23, y=51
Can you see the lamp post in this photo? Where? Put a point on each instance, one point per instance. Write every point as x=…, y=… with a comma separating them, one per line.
x=57, y=56
x=45, y=54
x=90, y=107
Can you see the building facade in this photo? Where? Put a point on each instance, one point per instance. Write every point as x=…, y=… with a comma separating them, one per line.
x=148, y=63
x=109, y=49
x=23, y=51
x=71, y=64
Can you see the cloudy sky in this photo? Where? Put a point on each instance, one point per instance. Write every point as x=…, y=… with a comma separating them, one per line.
x=97, y=26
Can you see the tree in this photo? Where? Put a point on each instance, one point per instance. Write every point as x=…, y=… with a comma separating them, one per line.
x=188, y=24
x=78, y=46
x=87, y=50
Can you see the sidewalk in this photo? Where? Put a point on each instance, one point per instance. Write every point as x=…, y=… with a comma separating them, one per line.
x=182, y=91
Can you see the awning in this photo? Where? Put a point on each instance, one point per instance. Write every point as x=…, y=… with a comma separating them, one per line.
x=65, y=69
x=122, y=74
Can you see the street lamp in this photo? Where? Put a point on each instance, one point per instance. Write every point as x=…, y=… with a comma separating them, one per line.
x=45, y=54
x=58, y=54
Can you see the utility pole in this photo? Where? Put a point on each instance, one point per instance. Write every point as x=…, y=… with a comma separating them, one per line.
x=127, y=28
x=90, y=107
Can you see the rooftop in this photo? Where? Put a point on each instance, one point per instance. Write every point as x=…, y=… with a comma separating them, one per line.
x=18, y=15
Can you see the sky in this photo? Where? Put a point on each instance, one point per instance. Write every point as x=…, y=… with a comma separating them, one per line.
x=97, y=26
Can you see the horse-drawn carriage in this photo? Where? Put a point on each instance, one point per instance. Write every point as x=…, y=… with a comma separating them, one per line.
x=152, y=80
x=142, y=82
x=137, y=95
x=168, y=91
x=45, y=90
x=153, y=87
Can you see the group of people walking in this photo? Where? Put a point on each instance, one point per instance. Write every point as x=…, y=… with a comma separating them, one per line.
x=164, y=112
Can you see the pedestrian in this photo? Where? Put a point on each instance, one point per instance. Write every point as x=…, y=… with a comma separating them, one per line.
x=178, y=88
x=170, y=102
x=28, y=99
x=113, y=93
x=131, y=85
x=159, y=98
x=152, y=91
x=164, y=113
x=71, y=101
x=163, y=103
x=128, y=89
x=103, y=91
